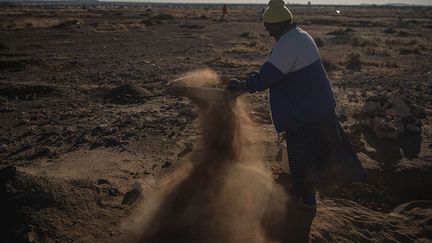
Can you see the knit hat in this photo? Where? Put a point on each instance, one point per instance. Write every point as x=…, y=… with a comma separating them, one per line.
x=276, y=12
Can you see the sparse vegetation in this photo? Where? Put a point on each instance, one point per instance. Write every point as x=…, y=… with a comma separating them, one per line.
x=353, y=61
x=249, y=35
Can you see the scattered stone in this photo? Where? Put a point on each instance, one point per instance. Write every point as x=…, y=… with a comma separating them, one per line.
x=40, y=152
x=371, y=108
x=26, y=145
x=6, y=109
x=103, y=129
x=167, y=164
x=385, y=129
x=381, y=99
x=3, y=148
x=188, y=148
x=133, y=195
x=400, y=108
x=113, y=191
x=99, y=142
x=390, y=116
x=112, y=141
x=102, y=181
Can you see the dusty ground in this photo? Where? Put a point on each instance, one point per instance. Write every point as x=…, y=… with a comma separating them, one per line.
x=78, y=148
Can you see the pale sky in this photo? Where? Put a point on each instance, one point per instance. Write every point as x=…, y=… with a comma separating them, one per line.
x=416, y=2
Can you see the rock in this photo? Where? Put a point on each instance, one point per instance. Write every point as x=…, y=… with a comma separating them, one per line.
x=3, y=148
x=188, y=148
x=418, y=111
x=113, y=191
x=368, y=163
x=133, y=195
x=50, y=131
x=99, y=142
x=385, y=129
x=371, y=108
x=103, y=129
x=128, y=94
x=112, y=141
x=400, y=108
x=40, y=152
x=413, y=128
x=167, y=164
x=7, y=173
x=26, y=145
x=381, y=99
x=6, y=109
x=102, y=181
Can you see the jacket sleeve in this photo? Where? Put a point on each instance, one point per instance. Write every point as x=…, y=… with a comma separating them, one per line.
x=268, y=76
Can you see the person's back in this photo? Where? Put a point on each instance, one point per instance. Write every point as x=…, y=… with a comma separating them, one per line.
x=304, y=95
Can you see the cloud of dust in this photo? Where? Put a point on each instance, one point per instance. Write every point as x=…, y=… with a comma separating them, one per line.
x=226, y=194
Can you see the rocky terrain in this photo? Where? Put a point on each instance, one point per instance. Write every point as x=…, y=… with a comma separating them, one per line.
x=87, y=124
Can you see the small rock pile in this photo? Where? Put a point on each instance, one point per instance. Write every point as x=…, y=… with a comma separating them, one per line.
x=390, y=116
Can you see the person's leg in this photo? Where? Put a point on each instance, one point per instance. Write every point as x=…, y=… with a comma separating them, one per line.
x=301, y=208
x=302, y=150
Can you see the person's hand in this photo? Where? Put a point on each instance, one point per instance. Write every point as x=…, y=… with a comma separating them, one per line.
x=236, y=85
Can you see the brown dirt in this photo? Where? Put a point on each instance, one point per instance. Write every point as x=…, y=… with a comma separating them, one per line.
x=77, y=154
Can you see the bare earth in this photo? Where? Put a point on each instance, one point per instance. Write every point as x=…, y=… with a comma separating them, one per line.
x=72, y=145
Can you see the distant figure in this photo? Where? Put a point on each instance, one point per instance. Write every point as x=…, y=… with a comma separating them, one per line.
x=224, y=12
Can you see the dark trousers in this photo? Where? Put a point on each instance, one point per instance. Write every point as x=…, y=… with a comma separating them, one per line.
x=308, y=152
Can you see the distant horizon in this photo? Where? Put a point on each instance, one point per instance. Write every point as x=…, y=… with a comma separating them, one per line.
x=316, y=2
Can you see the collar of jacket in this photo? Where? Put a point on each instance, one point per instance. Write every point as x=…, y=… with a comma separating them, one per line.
x=293, y=25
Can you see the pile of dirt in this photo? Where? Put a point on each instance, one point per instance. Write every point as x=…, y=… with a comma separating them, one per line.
x=128, y=94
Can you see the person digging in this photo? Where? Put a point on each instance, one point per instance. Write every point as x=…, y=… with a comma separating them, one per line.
x=303, y=107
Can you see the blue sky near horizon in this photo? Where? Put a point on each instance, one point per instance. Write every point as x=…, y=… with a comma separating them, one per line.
x=341, y=2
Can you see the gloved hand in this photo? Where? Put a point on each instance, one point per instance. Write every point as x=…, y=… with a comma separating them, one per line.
x=236, y=85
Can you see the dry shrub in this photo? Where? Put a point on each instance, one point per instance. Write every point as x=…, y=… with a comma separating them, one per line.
x=353, y=61
x=233, y=63
x=360, y=42
x=249, y=35
x=108, y=27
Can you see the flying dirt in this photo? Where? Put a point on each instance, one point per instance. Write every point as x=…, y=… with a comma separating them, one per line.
x=224, y=194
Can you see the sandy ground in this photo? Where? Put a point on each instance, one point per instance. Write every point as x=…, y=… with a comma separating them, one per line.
x=73, y=148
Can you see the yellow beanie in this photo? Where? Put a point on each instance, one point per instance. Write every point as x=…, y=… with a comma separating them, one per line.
x=276, y=12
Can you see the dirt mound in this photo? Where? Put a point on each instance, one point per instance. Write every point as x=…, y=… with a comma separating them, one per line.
x=128, y=94
x=59, y=210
